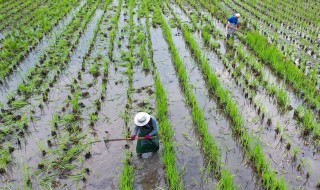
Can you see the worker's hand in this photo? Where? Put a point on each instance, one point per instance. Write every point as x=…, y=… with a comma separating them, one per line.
x=236, y=28
x=133, y=137
x=148, y=137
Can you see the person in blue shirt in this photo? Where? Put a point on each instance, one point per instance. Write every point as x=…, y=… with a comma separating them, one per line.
x=145, y=126
x=232, y=24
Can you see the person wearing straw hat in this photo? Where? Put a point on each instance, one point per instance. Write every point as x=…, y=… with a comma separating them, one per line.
x=232, y=25
x=145, y=126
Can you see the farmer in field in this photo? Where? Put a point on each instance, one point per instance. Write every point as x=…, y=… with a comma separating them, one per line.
x=232, y=25
x=145, y=126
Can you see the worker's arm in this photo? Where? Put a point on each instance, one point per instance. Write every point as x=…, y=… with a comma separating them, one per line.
x=135, y=130
x=155, y=126
x=228, y=24
x=236, y=26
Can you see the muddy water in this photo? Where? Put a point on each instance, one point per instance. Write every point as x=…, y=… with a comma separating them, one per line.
x=190, y=160
x=106, y=162
x=29, y=155
x=33, y=57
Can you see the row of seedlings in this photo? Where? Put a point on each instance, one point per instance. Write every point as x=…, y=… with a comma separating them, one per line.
x=251, y=145
x=37, y=77
x=210, y=148
x=114, y=31
x=141, y=40
x=127, y=176
x=19, y=43
x=166, y=133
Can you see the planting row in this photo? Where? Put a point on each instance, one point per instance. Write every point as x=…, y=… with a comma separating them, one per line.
x=19, y=43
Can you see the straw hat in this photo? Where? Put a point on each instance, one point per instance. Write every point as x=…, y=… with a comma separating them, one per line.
x=141, y=119
x=237, y=15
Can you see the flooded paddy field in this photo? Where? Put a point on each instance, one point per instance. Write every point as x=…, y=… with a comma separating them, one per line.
x=233, y=113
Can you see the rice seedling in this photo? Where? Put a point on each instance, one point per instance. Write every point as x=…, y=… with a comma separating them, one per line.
x=115, y=21
x=94, y=69
x=17, y=104
x=5, y=159
x=93, y=117
x=126, y=179
x=295, y=152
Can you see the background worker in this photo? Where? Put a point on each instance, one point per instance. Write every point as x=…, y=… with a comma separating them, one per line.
x=145, y=126
x=232, y=25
